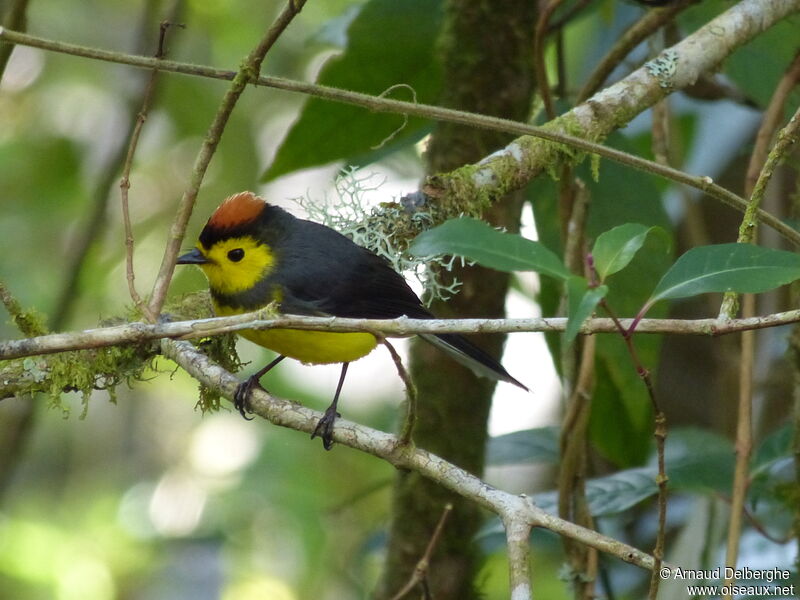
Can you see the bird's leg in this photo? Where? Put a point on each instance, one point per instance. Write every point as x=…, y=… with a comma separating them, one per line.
x=242, y=393
x=324, y=428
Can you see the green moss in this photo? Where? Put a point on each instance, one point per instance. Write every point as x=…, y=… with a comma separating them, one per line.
x=221, y=348
x=30, y=322
x=196, y=305
x=84, y=371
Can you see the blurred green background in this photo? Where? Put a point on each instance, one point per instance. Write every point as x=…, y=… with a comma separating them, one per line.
x=147, y=498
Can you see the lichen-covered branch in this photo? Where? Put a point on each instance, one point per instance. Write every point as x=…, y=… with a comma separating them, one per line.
x=614, y=107
x=522, y=160
x=248, y=73
x=135, y=333
x=509, y=507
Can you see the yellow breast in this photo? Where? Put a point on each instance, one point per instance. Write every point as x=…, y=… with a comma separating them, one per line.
x=316, y=347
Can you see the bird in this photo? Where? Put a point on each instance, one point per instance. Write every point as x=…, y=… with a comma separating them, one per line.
x=254, y=254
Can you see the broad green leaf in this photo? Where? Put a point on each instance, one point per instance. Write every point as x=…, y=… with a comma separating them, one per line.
x=743, y=268
x=527, y=446
x=582, y=302
x=612, y=494
x=621, y=420
x=389, y=43
x=776, y=446
x=476, y=240
x=699, y=460
x=621, y=424
x=614, y=249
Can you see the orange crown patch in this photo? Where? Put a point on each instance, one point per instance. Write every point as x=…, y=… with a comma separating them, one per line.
x=236, y=210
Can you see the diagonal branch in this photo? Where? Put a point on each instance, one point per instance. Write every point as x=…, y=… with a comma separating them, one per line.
x=247, y=74
x=677, y=67
x=522, y=160
x=511, y=508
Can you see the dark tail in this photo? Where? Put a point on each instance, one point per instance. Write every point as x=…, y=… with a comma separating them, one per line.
x=471, y=356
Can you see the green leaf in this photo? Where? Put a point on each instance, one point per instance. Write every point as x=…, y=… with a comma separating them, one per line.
x=527, y=446
x=699, y=460
x=612, y=494
x=582, y=302
x=743, y=268
x=614, y=249
x=478, y=241
x=621, y=420
x=775, y=447
x=388, y=43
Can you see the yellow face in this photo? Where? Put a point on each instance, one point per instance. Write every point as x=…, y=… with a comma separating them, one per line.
x=236, y=264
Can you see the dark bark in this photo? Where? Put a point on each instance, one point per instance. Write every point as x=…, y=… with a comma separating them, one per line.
x=486, y=49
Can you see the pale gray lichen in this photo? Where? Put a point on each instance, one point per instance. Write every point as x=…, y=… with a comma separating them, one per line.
x=664, y=67
x=385, y=229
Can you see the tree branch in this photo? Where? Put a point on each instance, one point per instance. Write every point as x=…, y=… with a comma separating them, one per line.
x=522, y=160
x=246, y=74
x=510, y=507
x=134, y=333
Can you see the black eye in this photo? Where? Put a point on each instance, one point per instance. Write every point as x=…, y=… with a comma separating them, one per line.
x=236, y=255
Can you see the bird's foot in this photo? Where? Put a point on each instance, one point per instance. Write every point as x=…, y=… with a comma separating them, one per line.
x=241, y=397
x=324, y=428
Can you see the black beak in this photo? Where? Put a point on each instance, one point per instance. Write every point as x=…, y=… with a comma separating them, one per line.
x=195, y=257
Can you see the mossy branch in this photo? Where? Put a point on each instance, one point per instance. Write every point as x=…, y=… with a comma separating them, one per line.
x=248, y=73
x=522, y=160
x=517, y=510
x=138, y=332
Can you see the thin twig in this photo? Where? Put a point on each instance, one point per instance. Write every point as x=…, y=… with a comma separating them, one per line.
x=248, y=73
x=660, y=435
x=572, y=12
x=420, y=574
x=773, y=116
x=386, y=446
x=747, y=229
x=134, y=333
x=787, y=137
x=540, y=68
x=624, y=100
x=407, y=430
x=125, y=184
x=744, y=444
x=572, y=501
x=28, y=326
x=660, y=113
x=573, y=200
x=97, y=212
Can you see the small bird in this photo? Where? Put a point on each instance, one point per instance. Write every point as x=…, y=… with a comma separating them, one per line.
x=254, y=254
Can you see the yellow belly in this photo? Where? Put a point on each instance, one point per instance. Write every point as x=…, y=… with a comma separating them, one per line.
x=317, y=347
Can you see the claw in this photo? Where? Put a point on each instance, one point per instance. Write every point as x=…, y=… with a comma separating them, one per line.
x=324, y=428
x=241, y=397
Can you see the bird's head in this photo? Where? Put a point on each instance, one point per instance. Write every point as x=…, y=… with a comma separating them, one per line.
x=231, y=250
